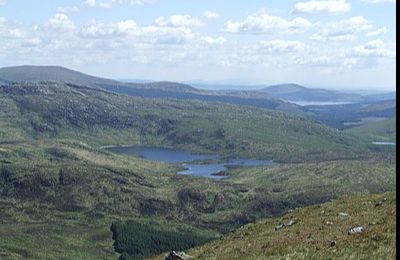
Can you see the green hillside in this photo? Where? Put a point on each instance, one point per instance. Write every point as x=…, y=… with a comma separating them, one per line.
x=98, y=118
x=313, y=232
x=376, y=131
x=160, y=90
x=51, y=73
x=60, y=193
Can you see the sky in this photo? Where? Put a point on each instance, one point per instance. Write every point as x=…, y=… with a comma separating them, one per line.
x=339, y=44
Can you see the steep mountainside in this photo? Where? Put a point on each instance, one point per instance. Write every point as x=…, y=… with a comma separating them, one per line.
x=316, y=232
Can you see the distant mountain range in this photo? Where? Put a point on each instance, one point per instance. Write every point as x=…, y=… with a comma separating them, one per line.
x=277, y=97
x=150, y=89
x=295, y=92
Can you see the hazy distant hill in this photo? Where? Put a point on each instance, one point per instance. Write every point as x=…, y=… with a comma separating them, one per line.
x=55, y=73
x=161, y=89
x=384, y=96
x=348, y=115
x=2, y=81
x=294, y=92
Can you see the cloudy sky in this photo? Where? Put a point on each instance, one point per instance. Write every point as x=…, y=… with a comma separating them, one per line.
x=322, y=43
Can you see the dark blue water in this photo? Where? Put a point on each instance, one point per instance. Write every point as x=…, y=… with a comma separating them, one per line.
x=190, y=160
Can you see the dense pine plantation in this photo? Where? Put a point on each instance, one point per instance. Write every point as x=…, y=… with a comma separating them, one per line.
x=139, y=240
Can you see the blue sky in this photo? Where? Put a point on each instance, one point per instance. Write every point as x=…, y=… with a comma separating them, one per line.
x=319, y=43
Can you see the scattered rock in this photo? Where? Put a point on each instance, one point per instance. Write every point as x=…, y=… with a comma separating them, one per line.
x=279, y=226
x=332, y=242
x=379, y=203
x=329, y=223
x=343, y=214
x=356, y=230
x=282, y=225
x=177, y=256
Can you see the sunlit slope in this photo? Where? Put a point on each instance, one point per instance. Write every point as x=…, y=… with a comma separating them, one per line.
x=318, y=232
x=376, y=131
x=101, y=118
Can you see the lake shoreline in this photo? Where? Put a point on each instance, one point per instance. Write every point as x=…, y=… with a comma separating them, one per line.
x=213, y=166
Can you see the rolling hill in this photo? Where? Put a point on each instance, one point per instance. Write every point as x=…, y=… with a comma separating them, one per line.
x=349, y=115
x=150, y=89
x=50, y=108
x=384, y=96
x=52, y=73
x=60, y=193
x=295, y=92
x=384, y=130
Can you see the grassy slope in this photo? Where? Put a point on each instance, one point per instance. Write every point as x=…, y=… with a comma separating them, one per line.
x=99, y=118
x=310, y=236
x=376, y=131
x=61, y=128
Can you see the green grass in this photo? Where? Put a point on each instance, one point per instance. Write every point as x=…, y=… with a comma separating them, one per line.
x=60, y=193
x=314, y=228
x=377, y=131
x=56, y=110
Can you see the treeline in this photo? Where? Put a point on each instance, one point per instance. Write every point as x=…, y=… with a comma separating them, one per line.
x=134, y=240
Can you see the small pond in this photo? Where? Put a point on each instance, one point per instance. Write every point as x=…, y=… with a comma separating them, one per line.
x=194, y=164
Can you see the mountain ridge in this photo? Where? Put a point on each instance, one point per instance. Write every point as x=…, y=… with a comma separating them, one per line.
x=162, y=89
x=296, y=92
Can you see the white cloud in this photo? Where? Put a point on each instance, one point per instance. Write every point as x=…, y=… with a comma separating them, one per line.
x=101, y=29
x=134, y=33
x=91, y=3
x=32, y=42
x=179, y=20
x=68, y=9
x=377, y=32
x=167, y=35
x=211, y=40
x=342, y=30
x=262, y=22
x=60, y=21
x=374, y=48
x=378, y=1
x=322, y=7
x=175, y=44
x=281, y=46
x=111, y=3
x=9, y=31
x=210, y=15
